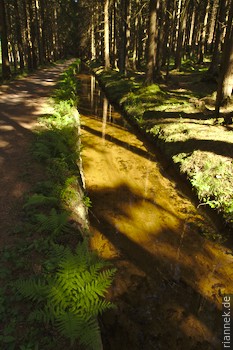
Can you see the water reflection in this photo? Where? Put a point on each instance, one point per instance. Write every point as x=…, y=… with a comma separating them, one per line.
x=94, y=103
x=104, y=120
x=92, y=90
x=141, y=222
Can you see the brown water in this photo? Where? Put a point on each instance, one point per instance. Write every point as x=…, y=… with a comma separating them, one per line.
x=170, y=280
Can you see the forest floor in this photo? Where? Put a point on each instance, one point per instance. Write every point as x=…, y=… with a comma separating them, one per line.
x=179, y=115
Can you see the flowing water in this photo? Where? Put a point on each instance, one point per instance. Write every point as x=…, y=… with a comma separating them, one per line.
x=170, y=280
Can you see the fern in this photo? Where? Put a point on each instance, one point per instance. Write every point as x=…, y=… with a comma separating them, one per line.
x=40, y=200
x=36, y=290
x=55, y=223
x=72, y=297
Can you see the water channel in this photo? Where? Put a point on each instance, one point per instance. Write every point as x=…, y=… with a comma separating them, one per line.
x=170, y=280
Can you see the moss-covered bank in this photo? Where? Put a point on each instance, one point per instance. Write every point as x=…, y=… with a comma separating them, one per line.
x=180, y=119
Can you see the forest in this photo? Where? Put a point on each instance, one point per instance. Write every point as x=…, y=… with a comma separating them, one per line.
x=130, y=35
x=116, y=206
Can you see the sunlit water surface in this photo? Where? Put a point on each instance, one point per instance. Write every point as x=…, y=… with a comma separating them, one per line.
x=170, y=279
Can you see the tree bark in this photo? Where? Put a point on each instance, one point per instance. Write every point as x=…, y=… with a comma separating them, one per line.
x=225, y=85
x=6, y=72
x=123, y=34
x=19, y=35
x=213, y=69
x=106, y=35
x=152, y=42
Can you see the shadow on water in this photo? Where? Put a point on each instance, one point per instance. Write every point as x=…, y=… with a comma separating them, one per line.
x=170, y=279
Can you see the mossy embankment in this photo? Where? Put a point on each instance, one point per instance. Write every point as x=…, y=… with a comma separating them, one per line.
x=179, y=117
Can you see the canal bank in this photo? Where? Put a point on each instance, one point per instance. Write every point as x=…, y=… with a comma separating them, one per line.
x=170, y=279
x=184, y=128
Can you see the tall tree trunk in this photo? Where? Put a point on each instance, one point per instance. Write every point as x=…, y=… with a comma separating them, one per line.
x=114, y=35
x=181, y=15
x=127, y=34
x=135, y=43
x=123, y=35
x=140, y=33
x=11, y=39
x=204, y=9
x=106, y=35
x=27, y=36
x=213, y=69
x=19, y=35
x=42, y=30
x=93, y=45
x=152, y=42
x=226, y=70
x=32, y=25
x=167, y=29
x=6, y=72
x=160, y=39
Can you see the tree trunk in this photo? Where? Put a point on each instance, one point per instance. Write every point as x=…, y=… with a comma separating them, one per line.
x=19, y=35
x=32, y=25
x=204, y=9
x=213, y=69
x=167, y=29
x=181, y=15
x=93, y=46
x=106, y=35
x=226, y=70
x=6, y=72
x=114, y=35
x=123, y=35
x=152, y=42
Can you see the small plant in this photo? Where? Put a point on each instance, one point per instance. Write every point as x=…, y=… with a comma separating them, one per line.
x=87, y=201
x=55, y=223
x=72, y=296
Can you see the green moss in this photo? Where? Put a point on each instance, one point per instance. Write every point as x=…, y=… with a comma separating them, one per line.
x=182, y=130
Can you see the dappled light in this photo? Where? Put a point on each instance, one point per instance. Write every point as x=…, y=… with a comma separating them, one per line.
x=151, y=232
x=20, y=104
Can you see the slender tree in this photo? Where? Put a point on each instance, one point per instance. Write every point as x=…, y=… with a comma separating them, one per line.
x=6, y=72
x=106, y=35
x=225, y=85
x=152, y=42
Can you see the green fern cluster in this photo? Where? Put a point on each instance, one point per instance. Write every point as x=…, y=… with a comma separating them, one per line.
x=68, y=86
x=72, y=296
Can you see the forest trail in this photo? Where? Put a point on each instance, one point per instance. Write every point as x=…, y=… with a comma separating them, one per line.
x=170, y=280
x=22, y=101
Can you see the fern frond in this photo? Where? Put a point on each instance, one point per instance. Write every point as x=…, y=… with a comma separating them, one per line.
x=90, y=335
x=104, y=279
x=41, y=151
x=70, y=325
x=40, y=199
x=54, y=223
x=75, y=327
x=45, y=315
x=36, y=290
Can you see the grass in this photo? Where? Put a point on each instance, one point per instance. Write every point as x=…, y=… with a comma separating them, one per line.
x=179, y=116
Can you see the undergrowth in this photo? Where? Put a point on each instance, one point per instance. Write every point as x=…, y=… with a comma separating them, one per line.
x=51, y=265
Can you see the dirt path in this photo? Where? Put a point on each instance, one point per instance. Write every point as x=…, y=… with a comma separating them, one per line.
x=21, y=102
